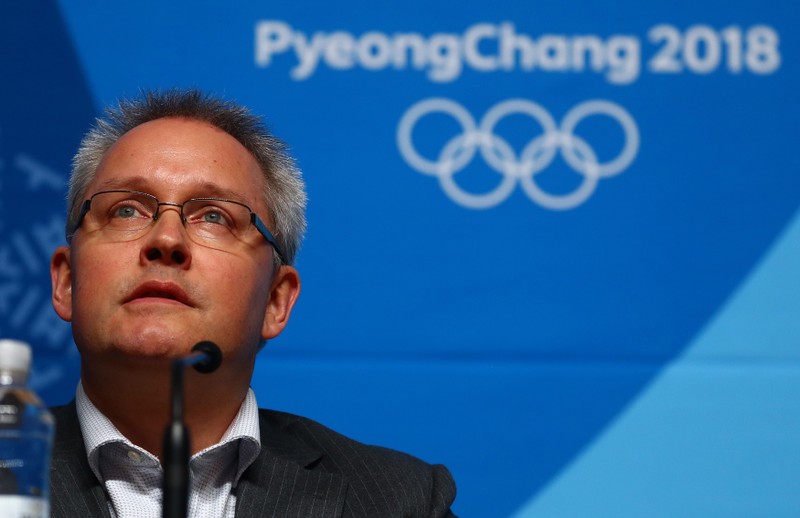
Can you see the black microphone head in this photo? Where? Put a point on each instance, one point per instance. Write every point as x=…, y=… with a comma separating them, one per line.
x=213, y=358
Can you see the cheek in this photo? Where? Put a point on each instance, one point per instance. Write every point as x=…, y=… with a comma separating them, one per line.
x=244, y=285
x=248, y=289
x=97, y=275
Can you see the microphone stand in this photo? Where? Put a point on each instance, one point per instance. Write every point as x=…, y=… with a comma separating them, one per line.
x=206, y=358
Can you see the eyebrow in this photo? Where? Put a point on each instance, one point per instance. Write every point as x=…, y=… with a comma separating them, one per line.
x=143, y=184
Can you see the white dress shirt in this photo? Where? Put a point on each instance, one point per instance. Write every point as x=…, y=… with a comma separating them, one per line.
x=133, y=477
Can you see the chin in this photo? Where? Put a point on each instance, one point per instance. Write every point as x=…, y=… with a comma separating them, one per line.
x=155, y=343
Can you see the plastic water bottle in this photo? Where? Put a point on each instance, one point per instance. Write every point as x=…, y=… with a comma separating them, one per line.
x=26, y=437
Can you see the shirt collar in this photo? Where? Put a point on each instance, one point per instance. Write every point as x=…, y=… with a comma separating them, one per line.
x=99, y=431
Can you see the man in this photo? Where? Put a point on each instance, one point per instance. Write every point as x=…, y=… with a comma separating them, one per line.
x=184, y=219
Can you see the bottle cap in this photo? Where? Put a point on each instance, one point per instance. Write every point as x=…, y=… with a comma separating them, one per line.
x=15, y=355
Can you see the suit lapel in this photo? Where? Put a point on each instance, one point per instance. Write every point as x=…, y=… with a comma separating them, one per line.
x=282, y=481
x=277, y=487
x=74, y=490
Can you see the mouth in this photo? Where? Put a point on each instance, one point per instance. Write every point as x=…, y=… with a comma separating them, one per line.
x=159, y=291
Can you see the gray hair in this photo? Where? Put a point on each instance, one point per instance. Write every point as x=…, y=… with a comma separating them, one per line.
x=284, y=191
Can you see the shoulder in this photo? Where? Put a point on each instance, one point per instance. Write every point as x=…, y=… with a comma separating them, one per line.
x=379, y=478
x=68, y=431
x=64, y=412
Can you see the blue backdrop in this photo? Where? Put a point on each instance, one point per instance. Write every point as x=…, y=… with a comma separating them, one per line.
x=552, y=245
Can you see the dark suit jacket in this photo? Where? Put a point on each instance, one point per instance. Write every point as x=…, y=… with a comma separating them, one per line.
x=303, y=470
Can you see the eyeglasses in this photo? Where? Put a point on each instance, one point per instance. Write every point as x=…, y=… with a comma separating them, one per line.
x=211, y=222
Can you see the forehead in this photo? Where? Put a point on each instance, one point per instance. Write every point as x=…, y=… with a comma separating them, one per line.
x=181, y=157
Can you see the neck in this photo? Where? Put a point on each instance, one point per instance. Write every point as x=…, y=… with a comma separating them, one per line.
x=137, y=400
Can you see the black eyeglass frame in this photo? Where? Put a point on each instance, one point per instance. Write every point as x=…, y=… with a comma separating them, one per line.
x=255, y=220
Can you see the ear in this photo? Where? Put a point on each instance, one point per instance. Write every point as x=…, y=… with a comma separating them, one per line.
x=61, y=279
x=283, y=294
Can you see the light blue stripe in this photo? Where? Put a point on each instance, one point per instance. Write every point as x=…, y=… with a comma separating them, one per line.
x=718, y=432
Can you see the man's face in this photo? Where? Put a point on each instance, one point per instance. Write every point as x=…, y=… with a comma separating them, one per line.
x=157, y=295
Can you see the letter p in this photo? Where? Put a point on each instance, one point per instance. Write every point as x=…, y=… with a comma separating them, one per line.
x=271, y=38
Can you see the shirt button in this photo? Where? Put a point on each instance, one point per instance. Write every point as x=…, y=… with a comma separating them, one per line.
x=135, y=456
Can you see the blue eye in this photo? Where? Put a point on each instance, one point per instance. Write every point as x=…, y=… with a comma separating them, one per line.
x=212, y=214
x=214, y=217
x=126, y=212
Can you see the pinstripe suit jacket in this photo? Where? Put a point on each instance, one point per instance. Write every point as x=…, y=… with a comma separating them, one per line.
x=304, y=470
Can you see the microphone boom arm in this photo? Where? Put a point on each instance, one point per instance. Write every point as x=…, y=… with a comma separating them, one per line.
x=206, y=358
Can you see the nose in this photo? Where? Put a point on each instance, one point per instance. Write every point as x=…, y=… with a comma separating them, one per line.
x=167, y=241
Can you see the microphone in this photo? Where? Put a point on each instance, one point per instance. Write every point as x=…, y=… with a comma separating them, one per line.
x=206, y=357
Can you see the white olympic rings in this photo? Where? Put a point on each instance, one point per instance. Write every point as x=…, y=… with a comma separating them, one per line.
x=537, y=154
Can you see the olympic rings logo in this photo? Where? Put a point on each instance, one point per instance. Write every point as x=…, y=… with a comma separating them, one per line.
x=536, y=155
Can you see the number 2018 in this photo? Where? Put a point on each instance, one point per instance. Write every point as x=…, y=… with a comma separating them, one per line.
x=701, y=49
